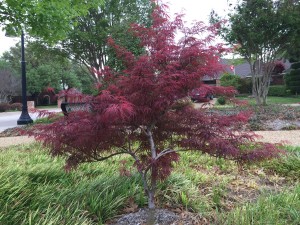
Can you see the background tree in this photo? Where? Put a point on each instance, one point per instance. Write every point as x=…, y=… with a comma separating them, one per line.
x=258, y=27
x=83, y=26
x=290, y=10
x=49, y=20
x=48, y=68
x=141, y=111
x=87, y=42
x=10, y=83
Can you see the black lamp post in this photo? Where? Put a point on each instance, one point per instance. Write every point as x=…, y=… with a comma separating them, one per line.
x=24, y=118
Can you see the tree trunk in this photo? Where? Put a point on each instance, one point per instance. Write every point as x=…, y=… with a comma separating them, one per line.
x=152, y=186
x=151, y=199
x=258, y=99
x=256, y=93
x=264, y=100
x=260, y=80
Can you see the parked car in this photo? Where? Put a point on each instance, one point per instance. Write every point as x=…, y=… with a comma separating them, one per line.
x=201, y=95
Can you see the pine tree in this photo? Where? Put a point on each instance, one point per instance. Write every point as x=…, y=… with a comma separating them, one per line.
x=292, y=79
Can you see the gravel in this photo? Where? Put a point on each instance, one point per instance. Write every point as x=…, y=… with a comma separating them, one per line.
x=147, y=216
x=160, y=217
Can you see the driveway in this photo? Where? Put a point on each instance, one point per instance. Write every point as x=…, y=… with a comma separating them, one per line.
x=209, y=104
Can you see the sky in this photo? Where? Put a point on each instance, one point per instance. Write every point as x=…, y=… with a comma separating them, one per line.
x=199, y=9
x=193, y=9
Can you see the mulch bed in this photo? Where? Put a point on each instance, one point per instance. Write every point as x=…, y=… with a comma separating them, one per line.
x=15, y=131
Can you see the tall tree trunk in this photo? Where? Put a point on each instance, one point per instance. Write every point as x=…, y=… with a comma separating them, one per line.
x=261, y=75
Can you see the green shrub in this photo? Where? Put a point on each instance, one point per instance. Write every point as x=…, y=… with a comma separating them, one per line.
x=277, y=90
x=243, y=85
x=295, y=83
x=221, y=100
x=230, y=80
x=246, y=86
x=295, y=90
x=295, y=65
x=47, y=120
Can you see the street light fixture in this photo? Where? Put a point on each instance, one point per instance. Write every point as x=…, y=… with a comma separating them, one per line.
x=24, y=118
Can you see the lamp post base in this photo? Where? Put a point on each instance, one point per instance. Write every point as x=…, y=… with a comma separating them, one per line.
x=24, y=119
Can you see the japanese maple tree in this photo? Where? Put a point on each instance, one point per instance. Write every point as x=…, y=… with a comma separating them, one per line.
x=143, y=111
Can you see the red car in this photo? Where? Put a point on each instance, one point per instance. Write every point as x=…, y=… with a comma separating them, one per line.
x=201, y=95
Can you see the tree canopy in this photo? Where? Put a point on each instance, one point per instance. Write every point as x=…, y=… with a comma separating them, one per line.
x=80, y=27
x=10, y=83
x=87, y=42
x=290, y=9
x=50, y=20
x=48, y=68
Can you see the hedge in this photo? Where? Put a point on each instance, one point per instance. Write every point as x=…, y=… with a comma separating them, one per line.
x=277, y=90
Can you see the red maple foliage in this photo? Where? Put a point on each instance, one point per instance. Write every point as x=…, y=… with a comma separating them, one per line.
x=143, y=111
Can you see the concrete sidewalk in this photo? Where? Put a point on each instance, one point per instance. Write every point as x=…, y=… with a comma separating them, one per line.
x=286, y=137
x=18, y=140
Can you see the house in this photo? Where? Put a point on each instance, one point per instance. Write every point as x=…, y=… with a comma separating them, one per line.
x=243, y=70
x=71, y=95
x=46, y=97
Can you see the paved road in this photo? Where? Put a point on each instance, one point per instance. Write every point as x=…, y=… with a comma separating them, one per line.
x=9, y=119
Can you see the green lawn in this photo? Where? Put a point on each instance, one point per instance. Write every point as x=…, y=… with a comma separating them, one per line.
x=35, y=189
x=275, y=100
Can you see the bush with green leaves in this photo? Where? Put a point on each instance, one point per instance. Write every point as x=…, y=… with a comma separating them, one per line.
x=246, y=86
x=221, y=100
x=277, y=90
x=242, y=85
x=230, y=80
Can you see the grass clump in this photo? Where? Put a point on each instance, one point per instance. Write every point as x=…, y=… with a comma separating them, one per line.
x=36, y=190
x=48, y=119
x=288, y=165
x=278, y=209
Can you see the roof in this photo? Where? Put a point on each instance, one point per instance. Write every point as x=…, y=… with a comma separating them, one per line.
x=243, y=70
